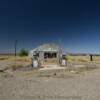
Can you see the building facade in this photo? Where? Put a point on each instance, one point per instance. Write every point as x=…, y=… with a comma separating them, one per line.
x=46, y=51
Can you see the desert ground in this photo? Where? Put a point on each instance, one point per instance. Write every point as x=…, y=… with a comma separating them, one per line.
x=79, y=80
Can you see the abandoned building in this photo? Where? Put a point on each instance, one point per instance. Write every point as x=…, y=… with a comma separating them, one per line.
x=47, y=51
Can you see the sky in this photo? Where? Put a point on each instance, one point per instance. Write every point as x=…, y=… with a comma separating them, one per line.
x=73, y=24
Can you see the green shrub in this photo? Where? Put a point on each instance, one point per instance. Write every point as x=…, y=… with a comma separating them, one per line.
x=23, y=52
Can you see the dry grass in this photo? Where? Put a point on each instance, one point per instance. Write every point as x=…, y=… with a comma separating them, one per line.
x=17, y=59
x=23, y=61
x=69, y=58
x=50, y=61
x=16, y=66
x=78, y=58
x=20, y=62
x=13, y=63
x=4, y=57
x=96, y=58
x=59, y=73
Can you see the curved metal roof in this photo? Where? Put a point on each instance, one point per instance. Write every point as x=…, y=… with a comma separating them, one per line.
x=48, y=47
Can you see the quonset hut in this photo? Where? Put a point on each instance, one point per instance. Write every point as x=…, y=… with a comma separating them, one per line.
x=45, y=51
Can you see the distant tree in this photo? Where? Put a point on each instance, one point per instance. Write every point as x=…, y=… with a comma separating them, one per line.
x=23, y=52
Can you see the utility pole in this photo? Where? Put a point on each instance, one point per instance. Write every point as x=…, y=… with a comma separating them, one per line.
x=15, y=47
x=91, y=57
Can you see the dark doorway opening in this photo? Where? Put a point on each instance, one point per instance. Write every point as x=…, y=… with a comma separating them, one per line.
x=50, y=55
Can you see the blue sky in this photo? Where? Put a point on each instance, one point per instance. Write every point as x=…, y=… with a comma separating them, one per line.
x=74, y=24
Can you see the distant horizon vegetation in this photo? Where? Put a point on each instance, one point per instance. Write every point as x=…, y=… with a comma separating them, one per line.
x=72, y=54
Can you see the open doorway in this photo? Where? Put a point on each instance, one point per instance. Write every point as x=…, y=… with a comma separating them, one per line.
x=50, y=55
x=50, y=58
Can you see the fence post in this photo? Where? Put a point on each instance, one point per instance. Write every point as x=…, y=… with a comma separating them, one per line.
x=91, y=57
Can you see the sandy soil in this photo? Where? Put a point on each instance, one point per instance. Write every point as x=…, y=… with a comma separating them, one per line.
x=18, y=86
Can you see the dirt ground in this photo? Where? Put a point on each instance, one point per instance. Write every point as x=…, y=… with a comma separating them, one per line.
x=52, y=84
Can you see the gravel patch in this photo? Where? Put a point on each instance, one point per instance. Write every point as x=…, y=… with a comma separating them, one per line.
x=21, y=87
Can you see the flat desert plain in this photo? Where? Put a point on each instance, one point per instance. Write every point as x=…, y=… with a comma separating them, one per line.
x=70, y=83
